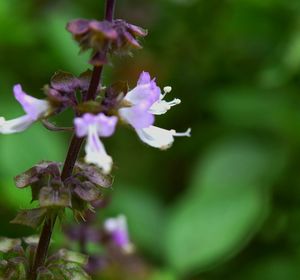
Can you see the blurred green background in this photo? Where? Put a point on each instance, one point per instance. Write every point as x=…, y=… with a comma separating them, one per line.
x=224, y=204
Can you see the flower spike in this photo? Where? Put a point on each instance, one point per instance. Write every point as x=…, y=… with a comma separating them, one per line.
x=95, y=126
x=33, y=107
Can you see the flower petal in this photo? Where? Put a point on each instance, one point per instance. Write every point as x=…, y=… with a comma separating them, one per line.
x=34, y=107
x=15, y=125
x=118, y=229
x=81, y=127
x=137, y=117
x=95, y=151
x=144, y=78
x=158, y=137
x=145, y=91
x=106, y=125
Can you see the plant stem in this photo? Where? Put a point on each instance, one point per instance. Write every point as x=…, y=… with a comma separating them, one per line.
x=74, y=149
x=110, y=9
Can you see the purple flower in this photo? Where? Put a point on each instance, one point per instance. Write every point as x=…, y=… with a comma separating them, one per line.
x=33, y=107
x=95, y=126
x=140, y=106
x=118, y=230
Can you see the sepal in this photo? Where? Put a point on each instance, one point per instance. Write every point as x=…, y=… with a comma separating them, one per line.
x=117, y=36
x=93, y=174
x=56, y=195
x=34, y=174
x=31, y=218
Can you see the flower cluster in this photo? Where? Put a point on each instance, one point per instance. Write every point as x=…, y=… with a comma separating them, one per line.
x=137, y=108
x=116, y=36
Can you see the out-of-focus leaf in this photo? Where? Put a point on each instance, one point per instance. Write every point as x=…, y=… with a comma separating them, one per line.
x=252, y=108
x=22, y=150
x=68, y=50
x=277, y=267
x=163, y=275
x=225, y=206
x=145, y=214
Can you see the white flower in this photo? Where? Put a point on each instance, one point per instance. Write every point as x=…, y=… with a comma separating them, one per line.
x=160, y=138
x=95, y=126
x=141, y=104
x=34, y=108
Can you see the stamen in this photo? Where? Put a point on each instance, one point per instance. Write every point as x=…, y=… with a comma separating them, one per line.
x=182, y=134
x=167, y=89
x=174, y=102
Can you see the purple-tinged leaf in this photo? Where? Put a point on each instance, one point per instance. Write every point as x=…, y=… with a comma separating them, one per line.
x=64, y=82
x=78, y=26
x=31, y=218
x=55, y=197
x=93, y=174
x=87, y=191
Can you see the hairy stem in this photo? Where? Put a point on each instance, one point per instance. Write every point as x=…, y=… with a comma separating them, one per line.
x=74, y=149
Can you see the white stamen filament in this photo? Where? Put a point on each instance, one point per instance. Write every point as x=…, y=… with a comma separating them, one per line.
x=182, y=134
x=174, y=102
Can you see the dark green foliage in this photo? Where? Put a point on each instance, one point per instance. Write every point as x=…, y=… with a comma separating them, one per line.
x=235, y=66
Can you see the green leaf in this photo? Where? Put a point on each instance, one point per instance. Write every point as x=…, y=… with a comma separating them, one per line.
x=225, y=206
x=273, y=267
x=31, y=218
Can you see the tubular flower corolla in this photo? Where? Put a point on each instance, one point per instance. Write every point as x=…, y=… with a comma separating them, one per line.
x=95, y=126
x=33, y=107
